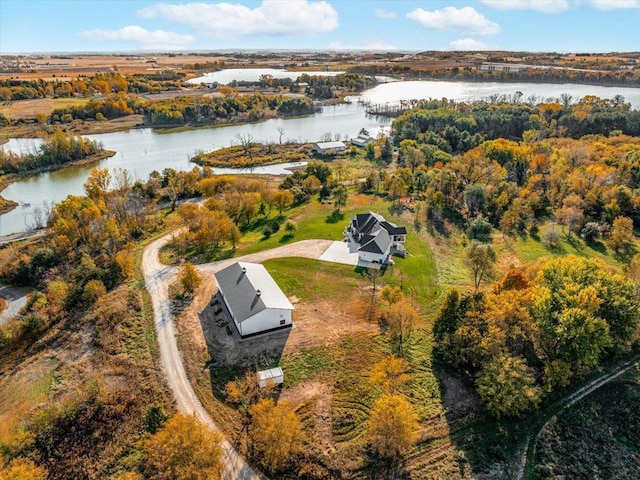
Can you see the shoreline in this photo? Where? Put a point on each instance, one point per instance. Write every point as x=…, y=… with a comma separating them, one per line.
x=7, y=205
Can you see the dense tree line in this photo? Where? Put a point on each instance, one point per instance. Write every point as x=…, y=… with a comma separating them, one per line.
x=57, y=149
x=326, y=86
x=623, y=78
x=525, y=338
x=458, y=127
x=187, y=109
x=100, y=84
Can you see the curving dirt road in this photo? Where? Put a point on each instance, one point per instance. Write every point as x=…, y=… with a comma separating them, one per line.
x=16, y=298
x=157, y=279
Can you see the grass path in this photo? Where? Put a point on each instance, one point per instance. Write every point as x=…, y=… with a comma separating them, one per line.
x=529, y=450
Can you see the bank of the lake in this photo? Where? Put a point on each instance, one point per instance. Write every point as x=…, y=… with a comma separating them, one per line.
x=5, y=180
x=143, y=150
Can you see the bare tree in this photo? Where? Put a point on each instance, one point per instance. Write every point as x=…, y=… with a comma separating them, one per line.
x=281, y=134
x=246, y=140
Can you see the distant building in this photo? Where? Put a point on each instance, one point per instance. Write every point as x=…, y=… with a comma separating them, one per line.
x=253, y=300
x=327, y=147
x=361, y=140
x=374, y=238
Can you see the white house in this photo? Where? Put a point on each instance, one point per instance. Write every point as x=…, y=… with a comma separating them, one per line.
x=374, y=238
x=253, y=299
x=326, y=147
x=361, y=140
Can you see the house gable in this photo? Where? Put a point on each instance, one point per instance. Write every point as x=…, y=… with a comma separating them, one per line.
x=373, y=237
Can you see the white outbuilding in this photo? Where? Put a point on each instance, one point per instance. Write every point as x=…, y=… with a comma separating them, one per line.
x=253, y=299
x=272, y=376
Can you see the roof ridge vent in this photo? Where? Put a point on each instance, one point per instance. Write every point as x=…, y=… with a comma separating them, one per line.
x=258, y=292
x=244, y=269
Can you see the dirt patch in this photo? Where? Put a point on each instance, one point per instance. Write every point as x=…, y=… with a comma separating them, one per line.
x=457, y=396
x=321, y=323
x=319, y=395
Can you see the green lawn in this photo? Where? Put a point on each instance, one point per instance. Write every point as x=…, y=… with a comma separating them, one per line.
x=530, y=249
x=314, y=220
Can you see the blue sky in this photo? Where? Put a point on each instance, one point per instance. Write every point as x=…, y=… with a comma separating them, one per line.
x=140, y=25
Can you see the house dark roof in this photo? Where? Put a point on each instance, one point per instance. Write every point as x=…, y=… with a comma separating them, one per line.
x=393, y=229
x=248, y=289
x=375, y=243
x=365, y=223
x=373, y=232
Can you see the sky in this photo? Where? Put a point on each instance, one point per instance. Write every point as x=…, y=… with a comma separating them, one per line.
x=54, y=26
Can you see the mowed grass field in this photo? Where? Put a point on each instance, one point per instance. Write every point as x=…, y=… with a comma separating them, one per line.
x=328, y=381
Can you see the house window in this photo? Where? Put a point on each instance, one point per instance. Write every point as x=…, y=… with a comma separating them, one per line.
x=283, y=321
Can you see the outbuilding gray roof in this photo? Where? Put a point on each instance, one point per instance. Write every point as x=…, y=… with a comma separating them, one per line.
x=249, y=289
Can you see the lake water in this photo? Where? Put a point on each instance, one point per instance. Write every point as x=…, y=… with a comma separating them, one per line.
x=144, y=150
x=223, y=77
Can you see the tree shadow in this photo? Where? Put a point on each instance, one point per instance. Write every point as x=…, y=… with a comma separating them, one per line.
x=287, y=237
x=625, y=255
x=334, y=217
x=597, y=245
x=483, y=444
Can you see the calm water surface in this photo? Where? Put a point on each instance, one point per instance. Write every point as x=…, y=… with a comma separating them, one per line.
x=144, y=150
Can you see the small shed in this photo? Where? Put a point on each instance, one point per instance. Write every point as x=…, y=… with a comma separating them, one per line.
x=271, y=376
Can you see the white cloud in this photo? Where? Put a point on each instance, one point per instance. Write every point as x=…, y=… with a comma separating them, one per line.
x=559, y=6
x=465, y=19
x=376, y=45
x=613, y=4
x=382, y=13
x=544, y=6
x=158, y=39
x=469, y=44
x=272, y=17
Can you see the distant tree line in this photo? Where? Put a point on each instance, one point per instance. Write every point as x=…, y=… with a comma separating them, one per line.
x=623, y=78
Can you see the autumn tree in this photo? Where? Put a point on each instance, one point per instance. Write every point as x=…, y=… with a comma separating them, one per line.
x=400, y=318
x=276, y=435
x=480, y=258
x=392, y=426
x=507, y=386
x=93, y=290
x=391, y=294
x=189, y=278
x=245, y=391
x=340, y=197
x=282, y=199
x=621, y=234
x=183, y=449
x=22, y=469
x=390, y=374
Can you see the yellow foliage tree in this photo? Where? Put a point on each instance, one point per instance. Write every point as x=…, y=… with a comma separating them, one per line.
x=183, y=450
x=621, y=234
x=507, y=386
x=391, y=294
x=22, y=469
x=276, y=434
x=390, y=373
x=393, y=426
x=401, y=317
x=189, y=278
